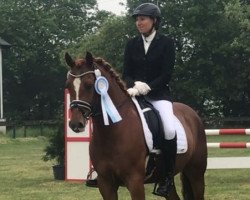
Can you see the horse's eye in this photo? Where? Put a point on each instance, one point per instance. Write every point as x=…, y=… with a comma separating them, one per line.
x=88, y=86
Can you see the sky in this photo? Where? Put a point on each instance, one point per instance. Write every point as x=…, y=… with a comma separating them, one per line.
x=112, y=6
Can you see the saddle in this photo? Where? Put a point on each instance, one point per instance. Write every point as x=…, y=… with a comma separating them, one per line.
x=155, y=125
x=153, y=120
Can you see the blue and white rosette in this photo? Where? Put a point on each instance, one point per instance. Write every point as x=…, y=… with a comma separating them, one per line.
x=108, y=108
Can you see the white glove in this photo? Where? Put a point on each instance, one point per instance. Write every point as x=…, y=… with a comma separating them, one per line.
x=142, y=87
x=133, y=92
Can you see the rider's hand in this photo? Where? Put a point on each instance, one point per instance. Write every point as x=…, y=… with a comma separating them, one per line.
x=133, y=92
x=142, y=87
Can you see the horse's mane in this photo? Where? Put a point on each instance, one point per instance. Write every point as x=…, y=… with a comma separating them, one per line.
x=107, y=67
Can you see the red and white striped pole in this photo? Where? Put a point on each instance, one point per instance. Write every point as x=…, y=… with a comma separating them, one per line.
x=227, y=131
x=229, y=145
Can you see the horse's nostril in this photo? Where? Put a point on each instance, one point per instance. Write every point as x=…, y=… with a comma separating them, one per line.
x=76, y=126
x=80, y=125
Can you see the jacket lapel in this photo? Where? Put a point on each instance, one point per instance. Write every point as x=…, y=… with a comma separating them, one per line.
x=154, y=42
x=140, y=46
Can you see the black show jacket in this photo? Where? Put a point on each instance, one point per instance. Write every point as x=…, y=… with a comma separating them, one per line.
x=154, y=68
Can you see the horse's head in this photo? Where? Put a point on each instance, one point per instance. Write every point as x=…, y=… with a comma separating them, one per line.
x=80, y=84
x=93, y=84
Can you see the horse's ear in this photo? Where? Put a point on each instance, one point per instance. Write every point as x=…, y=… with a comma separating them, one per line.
x=89, y=58
x=69, y=60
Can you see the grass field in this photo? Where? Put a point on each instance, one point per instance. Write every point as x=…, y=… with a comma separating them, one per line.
x=24, y=176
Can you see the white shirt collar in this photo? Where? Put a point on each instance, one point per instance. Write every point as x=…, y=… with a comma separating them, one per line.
x=149, y=38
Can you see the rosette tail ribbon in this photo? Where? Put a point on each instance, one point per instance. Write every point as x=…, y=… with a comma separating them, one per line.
x=108, y=108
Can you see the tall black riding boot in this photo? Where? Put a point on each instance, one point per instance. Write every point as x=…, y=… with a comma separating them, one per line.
x=169, y=152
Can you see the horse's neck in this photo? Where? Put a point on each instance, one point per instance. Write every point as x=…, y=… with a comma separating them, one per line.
x=117, y=95
x=119, y=99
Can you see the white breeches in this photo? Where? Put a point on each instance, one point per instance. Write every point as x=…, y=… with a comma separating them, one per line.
x=165, y=109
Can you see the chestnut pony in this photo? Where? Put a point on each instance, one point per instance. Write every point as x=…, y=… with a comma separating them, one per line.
x=118, y=151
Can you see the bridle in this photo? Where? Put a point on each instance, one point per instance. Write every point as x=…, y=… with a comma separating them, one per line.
x=107, y=106
x=83, y=105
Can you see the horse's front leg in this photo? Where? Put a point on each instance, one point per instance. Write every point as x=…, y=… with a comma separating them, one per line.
x=107, y=188
x=135, y=185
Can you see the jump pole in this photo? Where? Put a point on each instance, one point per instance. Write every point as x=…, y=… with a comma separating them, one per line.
x=227, y=132
x=222, y=145
x=228, y=162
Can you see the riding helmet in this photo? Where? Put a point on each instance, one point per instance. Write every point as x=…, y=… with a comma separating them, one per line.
x=148, y=9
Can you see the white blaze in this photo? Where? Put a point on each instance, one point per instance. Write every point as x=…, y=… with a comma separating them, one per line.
x=77, y=83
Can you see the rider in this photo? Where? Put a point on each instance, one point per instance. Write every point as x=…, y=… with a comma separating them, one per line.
x=149, y=60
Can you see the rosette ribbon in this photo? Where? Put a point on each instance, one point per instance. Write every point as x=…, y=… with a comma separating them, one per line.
x=108, y=107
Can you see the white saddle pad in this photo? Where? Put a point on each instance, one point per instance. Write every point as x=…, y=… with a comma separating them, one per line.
x=181, y=135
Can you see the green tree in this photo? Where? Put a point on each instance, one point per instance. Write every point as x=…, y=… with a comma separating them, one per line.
x=38, y=30
x=108, y=42
x=212, y=42
x=235, y=59
x=213, y=58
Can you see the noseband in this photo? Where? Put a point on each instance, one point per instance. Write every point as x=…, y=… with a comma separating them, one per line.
x=82, y=105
